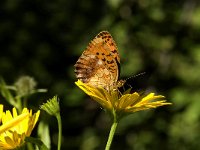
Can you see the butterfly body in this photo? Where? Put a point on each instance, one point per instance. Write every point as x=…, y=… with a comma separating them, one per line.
x=99, y=63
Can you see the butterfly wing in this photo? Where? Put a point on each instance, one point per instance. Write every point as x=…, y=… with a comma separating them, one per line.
x=99, y=63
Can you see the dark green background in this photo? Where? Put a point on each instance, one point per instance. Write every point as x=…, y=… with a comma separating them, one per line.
x=44, y=38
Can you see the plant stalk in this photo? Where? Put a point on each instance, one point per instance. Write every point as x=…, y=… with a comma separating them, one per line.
x=59, y=130
x=112, y=131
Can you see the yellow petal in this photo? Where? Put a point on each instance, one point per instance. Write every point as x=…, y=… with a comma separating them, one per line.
x=1, y=112
x=12, y=122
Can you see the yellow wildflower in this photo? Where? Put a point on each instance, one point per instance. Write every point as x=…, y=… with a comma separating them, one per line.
x=122, y=104
x=15, y=128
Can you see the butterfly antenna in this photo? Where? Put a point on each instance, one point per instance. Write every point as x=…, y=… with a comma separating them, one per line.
x=134, y=76
x=137, y=75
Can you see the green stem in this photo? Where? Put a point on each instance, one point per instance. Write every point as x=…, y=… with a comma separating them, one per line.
x=19, y=104
x=111, y=134
x=59, y=130
x=30, y=146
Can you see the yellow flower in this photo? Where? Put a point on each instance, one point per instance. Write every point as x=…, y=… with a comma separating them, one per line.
x=122, y=104
x=15, y=128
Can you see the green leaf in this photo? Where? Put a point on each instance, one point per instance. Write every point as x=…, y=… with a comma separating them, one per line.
x=38, y=142
x=6, y=93
x=43, y=133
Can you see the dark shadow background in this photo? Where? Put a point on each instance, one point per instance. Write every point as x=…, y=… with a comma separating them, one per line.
x=44, y=39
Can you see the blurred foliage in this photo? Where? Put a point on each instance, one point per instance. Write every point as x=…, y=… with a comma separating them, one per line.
x=44, y=39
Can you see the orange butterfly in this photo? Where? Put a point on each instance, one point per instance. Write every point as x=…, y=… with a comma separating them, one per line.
x=99, y=65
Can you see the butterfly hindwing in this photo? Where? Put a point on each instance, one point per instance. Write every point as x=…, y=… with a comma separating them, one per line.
x=99, y=63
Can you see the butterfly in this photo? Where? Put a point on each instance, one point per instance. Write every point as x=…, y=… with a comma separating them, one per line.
x=99, y=64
